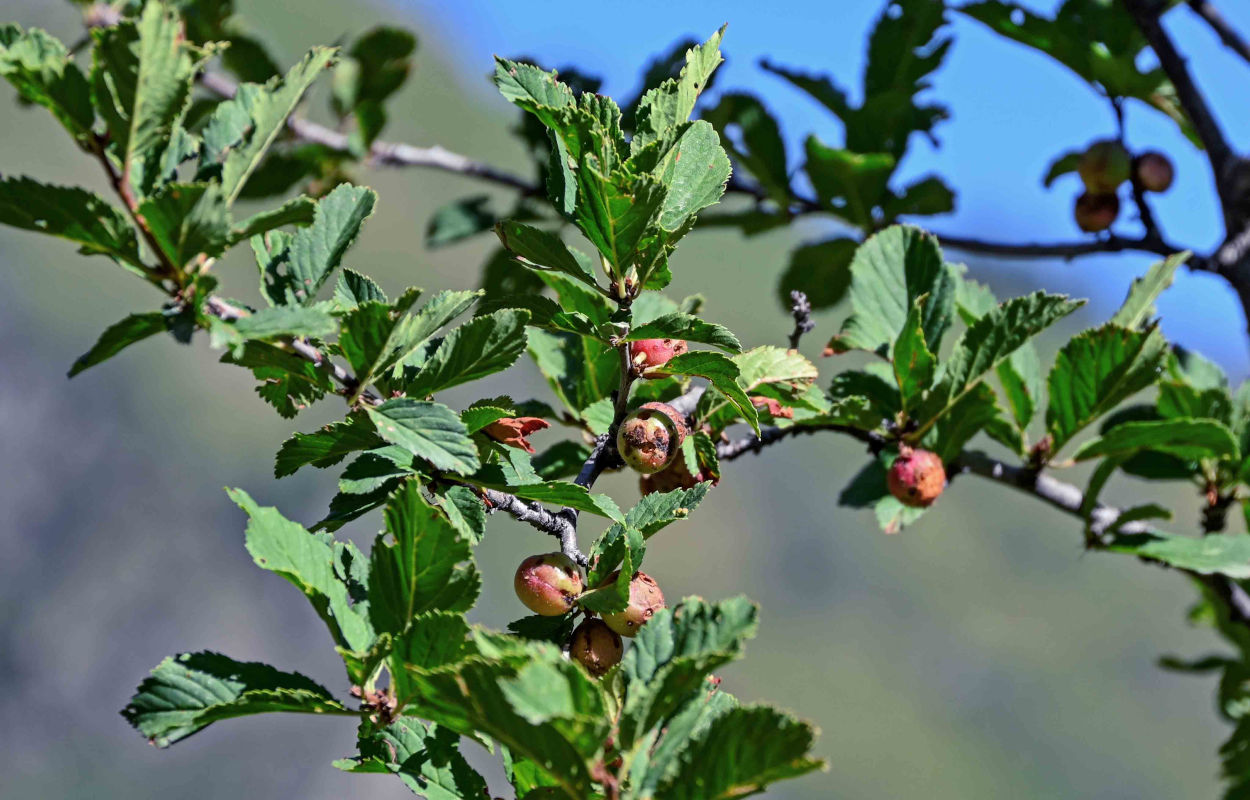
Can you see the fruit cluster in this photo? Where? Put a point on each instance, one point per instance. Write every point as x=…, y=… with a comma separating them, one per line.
x=1103, y=168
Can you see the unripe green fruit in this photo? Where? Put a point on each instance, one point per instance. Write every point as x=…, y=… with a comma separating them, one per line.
x=645, y=598
x=1153, y=171
x=1096, y=212
x=646, y=356
x=1104, y=166
x=916, y=477
x=650, y=438
x=596, y=647
x=548, y=584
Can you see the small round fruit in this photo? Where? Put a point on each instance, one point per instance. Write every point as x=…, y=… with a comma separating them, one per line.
x=548, y=584
x=1096, y=212
x=1104, y=166
x=674, y=476
x=596, y=647
x=1154, y=171
x=650, y=438
x=645, y=598
x=916, y=477
x=648, y=355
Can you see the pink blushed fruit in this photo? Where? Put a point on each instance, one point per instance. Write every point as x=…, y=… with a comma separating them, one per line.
x=548, y=584
x=645, y=598
x=916, y=477
x=1104, y=166
x=596, y=647
x=1153, y=171
x=650, y=438
x=1096, y=212
x=647, y=355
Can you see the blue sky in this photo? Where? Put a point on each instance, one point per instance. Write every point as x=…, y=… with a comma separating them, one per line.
x=1013, y=111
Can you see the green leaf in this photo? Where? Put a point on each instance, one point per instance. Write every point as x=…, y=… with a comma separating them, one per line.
x=353, y=289
x=1225, y=554
x=430, y=431
x=672, y=655
x=270, y=323
x=540, y=249
x=295, y=270
x=1189, y=439
x=426, y=759
x=307, y=562
x=990, y=340
x=288, y=381
x=326, y=447
x=119, y=336
x=187, y=219
x=1064, y=164
x=459, y=220
x=142, y=76
x=189, y=691
x=849, y=184
x=1095, y=372
x=375, y=335
x=559, y=493
x=296, y=211
x=740, y=753
x=889, y=271
x=615, y=212
x=753, y=138
x=914, y=365
x=70, y=213
x=722, y=373
x=474, y=350
x=694, y=172
x=41, y=70
x=677, y=325
x=822, y=271
x=465, y=511
x=242, y=129
x=1139, y=307
x=411, y=573
x=621, y=548
x=579, y=370
x=925, y=197
x=662, y=110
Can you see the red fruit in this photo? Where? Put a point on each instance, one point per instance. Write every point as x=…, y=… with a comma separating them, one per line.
x=1154, y=171
x=596, y=647
x=650, y=438
x=1096, y=212
x=548, y=584
x=1104, y=166
x=674, y=476
x=645, y=598
x=916, y=477
x=647, y=355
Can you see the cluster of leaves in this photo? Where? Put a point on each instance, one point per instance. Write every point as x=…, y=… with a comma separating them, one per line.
x=179, y=160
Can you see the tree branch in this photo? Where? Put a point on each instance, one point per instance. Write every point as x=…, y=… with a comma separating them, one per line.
x=1228, y=35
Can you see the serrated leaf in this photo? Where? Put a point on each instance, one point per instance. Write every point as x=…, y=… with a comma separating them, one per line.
x=914, y=365
x=293, y=272
x=119, y=336
x=70, y=213
x=694, y=172
x=326, y=447
x=465, y=511
x=353, y=289
x=889, y=271
x=187, y=219
x=474, y=350
x=431, y=431
x=541, y=249
x=662, y=110
x=740, y=753
x=307, y=562
x=188, y=692
x=1188, y=439
x=1095, y=372
x=678, y=325
x=242, y=129
x=1225, y=554
x=1138, y=307
x=426, y=759
x=278, y=321
x=41, y=70
x=722, y=373
x=560, y=493
x=296, y=211
x=409, y=574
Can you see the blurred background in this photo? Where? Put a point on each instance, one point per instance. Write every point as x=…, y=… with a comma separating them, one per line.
x=978, y=654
